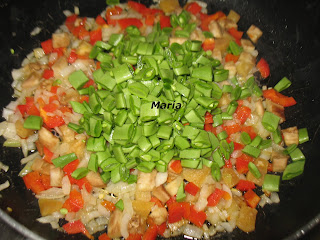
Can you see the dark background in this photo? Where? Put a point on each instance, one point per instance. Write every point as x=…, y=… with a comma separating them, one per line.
x=291, y=45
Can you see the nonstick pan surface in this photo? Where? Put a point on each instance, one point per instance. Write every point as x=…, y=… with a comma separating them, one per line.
x=291, y=45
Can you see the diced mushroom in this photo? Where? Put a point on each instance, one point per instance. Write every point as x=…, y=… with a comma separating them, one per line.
x=159, y=215
x=115, y=224
x=171, y=176
x=56, y=175
x=247, y=219
x=32, y=81
x=161, y=178
x=172, y=187
x=259, y=107
x=169, y=6
x=243, y=68
x=197, y=35
x=247, y=57
x=47, y=139
x=67, y=133
x=21, y=131
x=262, y=166
x=231, y=67
x=290, y=135
x=41, y=166
x=95, y=180
x=215, y=29
x=254, y=33
x=226, y=23
x=143, y=195
x=49, y=206
x=229, y=177
x=146, y=181
x=161, y=194
x=84, y=48
x=234, y=16
x=137, y=224
x=196, y=176
x=78, y=146
x=60, y=40
x=142, y=208
x=216, y=54
x=279, y=162
x=247, y=45
x=276, y=109
x=71, y=95
x=59, y=65
x=179, y=40
x=222, y=43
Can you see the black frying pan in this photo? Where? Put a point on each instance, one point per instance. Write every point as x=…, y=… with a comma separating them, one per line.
x=290, y=44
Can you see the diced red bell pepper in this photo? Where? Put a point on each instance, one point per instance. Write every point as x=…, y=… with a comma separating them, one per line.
x=48, y=73
x=104, y=236
x=191, y=188
x=175, y=212
x=84, y=98
x=242, y=165
x=279, y=98
x=47, y=46
x=263, y=67
x=270, y=168
x=171, y=200
x=100, y=21
x=73, y=56
x=250, y=130
x=208, y=44
x=149, y=19
x=95, y=35
x=111, y=12
x=245, y=185
x=89, y=83
x=53, y=121
x=228, y=164
x=75, y=202
x=45, y=179
x=208, y=118
x=194, y=8
x=165, y=21
x=53, y=98
x=197, y=218
x=243, y=113
x=237, y=146
x=22, y=109
x=70, y=167
x=251, y=198
x=215, y=197
x=65, y=109
x=47, y=155
x=231, y=129
x=139, y=7
x=54, y=89
x=206, y=19
x=33, y=181
x=59, y=51
x=208, y=127
x=51, y=107
x=161, y=228
x=134, y=236
x=76, y=227
x=156, y=201
x=235, y=33
x=230, y=57
x=70, y=21
x=108, y=205
x=176, y=166
x=126, y=22
x=33, y=110
x=151, y=233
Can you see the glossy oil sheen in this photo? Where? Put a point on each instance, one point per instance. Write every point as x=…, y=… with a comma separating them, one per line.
x=290, y=43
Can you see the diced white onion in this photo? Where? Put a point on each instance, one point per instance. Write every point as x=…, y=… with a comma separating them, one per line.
x=274, y=197
x=193, y=231
x=17, y=74
x=30, y=158
x=161, y=178
x=124, y=225
x=227, y=189
x=6, y=113
x=67, y=13
x=76, y=10
x=51, y=193
x=24, y=147
x=4, y=167
x=4, y=185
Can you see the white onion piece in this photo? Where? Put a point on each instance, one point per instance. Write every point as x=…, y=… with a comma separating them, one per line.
x=66, y=185
x=124, y=224
x=30, y=158
x=274, y=197
x=32, y=138
x=103, y=211
x=236, y=154
x=161, y=178
x=4, y=167
x=51, y=193
x=193, y=231
x=6, y=113
x=227, y=189
x=4, y=185
x=17, y=74
x=24, y=147
x=3, y=127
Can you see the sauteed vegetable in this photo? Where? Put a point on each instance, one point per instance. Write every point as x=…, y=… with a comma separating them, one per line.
x=151, y=121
